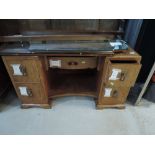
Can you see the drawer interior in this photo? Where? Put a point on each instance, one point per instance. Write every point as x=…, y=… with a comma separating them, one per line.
x=124, y=61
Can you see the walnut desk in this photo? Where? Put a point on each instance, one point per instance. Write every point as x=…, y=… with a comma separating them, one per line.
x=43, y=71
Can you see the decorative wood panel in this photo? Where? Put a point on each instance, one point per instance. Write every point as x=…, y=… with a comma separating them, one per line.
x=28, y=67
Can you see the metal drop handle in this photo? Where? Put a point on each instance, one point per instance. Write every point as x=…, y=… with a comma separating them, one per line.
x=29, y=92
x=23, y=70
x=115, y=93
x=72, y=63
x=122, y=76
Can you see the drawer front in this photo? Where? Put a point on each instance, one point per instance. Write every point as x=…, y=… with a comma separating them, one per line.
x=114, y=96
x=22, y=69
x=123, y=74
x=73, y=62
x=30, y=93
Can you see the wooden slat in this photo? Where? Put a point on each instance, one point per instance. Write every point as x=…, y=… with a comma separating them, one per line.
x=102, y=36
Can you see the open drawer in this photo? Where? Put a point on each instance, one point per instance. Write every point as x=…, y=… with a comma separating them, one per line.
x=123, y=73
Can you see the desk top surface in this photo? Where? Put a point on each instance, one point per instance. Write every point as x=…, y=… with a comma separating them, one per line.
x=91, y=47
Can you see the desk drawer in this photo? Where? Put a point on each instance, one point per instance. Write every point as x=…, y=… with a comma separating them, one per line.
x=114, y=96
x=22, y=69
x=30, y=93
x=73, y=62
x=123, y=74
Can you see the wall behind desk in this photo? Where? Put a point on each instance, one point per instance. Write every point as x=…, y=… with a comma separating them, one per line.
x=18, y=26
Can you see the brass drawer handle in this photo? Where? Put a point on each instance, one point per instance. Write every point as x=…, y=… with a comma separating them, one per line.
x=72, y=63
x=23, y=70
x=115, y=93
x=122, y=76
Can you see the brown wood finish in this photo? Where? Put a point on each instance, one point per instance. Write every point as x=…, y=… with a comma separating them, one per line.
x=118, y=96
x=129, y=55
x=35, y=80
x=128, y=75
x=75, y=62
x=102, y=106
x=102, y=78
x=90, y=79
x=45, y=106
x=29, y=65
x=83, y=73
x=36, y=96
x=129, y=64
x=72, y=82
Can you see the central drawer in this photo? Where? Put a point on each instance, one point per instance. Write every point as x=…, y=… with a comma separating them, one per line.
x=73, y=62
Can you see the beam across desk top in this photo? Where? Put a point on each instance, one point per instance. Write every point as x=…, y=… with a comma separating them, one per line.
x=57, y=47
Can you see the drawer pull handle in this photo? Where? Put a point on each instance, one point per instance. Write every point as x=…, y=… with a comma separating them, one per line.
x=29, y=92
x=23, y=70
x=24, y=91
x=72, y=63
x=122, y=76
x=115, y=93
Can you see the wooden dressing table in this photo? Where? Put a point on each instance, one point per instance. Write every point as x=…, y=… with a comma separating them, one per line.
x=44, y=67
